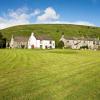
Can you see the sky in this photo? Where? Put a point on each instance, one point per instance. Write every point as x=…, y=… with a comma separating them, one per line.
x=79, y=12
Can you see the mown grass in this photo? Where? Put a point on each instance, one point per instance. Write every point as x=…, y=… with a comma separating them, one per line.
x=49, y=74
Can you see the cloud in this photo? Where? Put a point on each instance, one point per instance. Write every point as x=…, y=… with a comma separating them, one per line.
x=49, y=15
x=24, y=15
x=36, y=12
x=19, y=16
x=85, y=23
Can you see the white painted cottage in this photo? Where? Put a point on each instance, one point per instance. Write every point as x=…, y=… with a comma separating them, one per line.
x=40, y=42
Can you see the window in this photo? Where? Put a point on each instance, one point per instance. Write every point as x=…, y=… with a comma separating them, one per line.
x=53, y=44
x=41, y=46
x=50, y=42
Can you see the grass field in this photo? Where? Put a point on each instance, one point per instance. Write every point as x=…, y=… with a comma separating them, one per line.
x=49, y=75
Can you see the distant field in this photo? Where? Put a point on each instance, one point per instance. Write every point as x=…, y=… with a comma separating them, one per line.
x=49, y=74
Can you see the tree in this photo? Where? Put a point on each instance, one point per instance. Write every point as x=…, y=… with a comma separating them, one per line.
x=2, y=41
x=1, y=36
x=60, y=44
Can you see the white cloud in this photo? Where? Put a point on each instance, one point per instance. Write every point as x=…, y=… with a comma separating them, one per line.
x=36, y=12
x=25, y=16
x=85, y=23
x=79, y=23
x=49, y=15
x=17, y=17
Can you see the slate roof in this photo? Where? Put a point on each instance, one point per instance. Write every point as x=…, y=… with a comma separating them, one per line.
x=21, y=39
x=25, y=39
x=43, y=37
x=80, y=38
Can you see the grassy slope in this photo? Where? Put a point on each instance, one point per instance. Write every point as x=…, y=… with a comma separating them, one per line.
x=54, y=31
x=49, y=75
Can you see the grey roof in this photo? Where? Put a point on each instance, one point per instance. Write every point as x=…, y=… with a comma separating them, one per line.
x=80, y=38
x=43, y=37
x=25, y=39
x=21, y=39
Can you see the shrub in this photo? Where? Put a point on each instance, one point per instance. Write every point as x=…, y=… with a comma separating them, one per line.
x=84, y=47
x=60, y=44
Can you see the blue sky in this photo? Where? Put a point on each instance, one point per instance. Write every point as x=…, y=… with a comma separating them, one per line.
x=15, y=12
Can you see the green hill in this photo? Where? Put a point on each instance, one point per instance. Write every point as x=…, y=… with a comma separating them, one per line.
x=52, y=30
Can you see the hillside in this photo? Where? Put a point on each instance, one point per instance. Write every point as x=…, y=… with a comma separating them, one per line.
x=52, y=30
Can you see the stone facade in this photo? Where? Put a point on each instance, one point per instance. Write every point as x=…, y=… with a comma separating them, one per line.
x=19, y=42
x=78, y=43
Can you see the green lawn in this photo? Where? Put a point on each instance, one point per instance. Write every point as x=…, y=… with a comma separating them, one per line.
x=49, y=74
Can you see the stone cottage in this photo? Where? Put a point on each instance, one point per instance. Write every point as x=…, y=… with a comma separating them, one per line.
x=18, y=42
x=78, y=43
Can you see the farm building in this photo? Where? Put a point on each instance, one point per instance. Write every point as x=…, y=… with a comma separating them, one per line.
x=43, y=42
x=78, y=43
x=18, y=42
